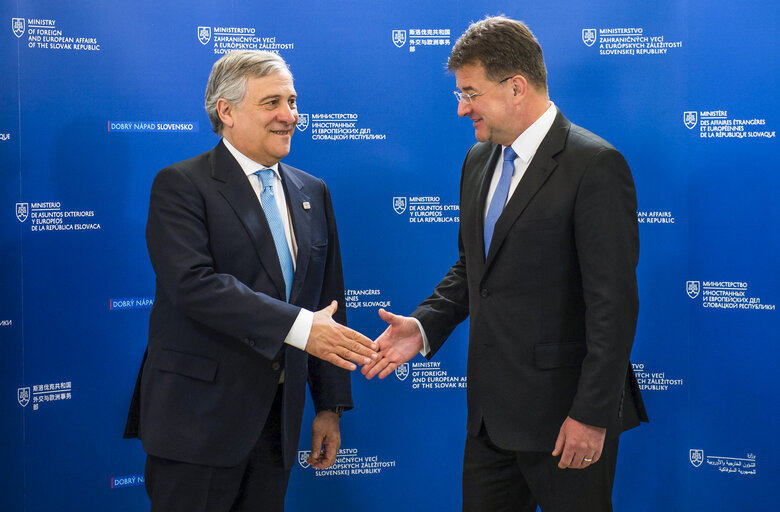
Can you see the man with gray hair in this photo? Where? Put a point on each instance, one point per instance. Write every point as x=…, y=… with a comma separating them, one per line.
x=546, y=274
x=249, y=306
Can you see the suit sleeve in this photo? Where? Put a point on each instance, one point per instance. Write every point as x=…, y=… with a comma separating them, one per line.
x=177, y=236
x=448, y=305
x=331, y=386
x=607, y=243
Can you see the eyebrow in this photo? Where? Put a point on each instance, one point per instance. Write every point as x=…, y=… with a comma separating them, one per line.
x=274, y=97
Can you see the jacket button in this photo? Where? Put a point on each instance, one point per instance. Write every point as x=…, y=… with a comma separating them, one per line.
x=249, y=342
x=275, y=366
x=484, y=293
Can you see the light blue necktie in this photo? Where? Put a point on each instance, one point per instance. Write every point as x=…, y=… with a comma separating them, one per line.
x=277, y=228
x=500, y=195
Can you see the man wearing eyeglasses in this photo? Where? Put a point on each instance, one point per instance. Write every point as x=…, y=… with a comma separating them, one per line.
x=548, y=248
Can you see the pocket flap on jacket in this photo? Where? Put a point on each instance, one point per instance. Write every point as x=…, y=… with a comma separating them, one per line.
x=189, y=365
x=556, y=355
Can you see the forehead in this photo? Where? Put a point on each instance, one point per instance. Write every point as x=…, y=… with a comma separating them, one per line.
x=470, y=77
x=278, y=83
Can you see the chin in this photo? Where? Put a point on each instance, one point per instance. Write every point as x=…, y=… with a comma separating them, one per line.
x=282, y=153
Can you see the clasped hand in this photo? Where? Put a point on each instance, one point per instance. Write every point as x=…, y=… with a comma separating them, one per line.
x=400, y=342
x=338, y=344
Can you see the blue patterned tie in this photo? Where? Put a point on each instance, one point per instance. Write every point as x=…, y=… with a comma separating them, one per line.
x=500, y=195
x=277, y=228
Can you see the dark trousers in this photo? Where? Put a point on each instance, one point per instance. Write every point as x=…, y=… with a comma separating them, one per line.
x=257, y=484
x=497, y=480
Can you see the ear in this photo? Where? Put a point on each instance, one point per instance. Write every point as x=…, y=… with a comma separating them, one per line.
x=225, y=112
x=520, y=86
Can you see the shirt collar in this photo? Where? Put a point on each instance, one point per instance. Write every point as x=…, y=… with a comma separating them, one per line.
x=528, y=142
x=248, y=165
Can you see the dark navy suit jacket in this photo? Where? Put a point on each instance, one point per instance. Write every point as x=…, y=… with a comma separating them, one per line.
x=216, y=330
x=553, y=307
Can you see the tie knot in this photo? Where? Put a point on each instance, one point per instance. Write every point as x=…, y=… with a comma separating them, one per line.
x=509, y=154
x=266, y=177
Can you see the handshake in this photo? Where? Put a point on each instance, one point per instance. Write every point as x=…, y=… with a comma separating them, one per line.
x=347, y=348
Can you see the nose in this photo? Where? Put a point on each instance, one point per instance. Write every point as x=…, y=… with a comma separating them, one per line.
x=288, y=114
x=464, y=108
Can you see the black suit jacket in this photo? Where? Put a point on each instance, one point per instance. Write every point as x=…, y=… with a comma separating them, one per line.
x=553, y=307
x=219, y=318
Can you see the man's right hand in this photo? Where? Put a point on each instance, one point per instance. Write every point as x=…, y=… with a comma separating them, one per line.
x=401, y=341
x=338, y=344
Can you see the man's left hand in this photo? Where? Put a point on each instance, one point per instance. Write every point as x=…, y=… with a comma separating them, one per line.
x=325, y=439
x=578, y=444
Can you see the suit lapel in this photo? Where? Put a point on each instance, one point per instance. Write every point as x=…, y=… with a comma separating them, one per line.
x=301, y=220
x=239, y=193
x=539, y=170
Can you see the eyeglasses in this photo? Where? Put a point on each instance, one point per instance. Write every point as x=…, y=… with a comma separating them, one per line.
x=468, y=98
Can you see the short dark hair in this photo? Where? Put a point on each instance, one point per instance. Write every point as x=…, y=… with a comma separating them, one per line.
x=503, y=47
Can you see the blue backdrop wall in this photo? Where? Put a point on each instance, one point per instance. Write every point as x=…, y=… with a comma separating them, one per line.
x=96, y=97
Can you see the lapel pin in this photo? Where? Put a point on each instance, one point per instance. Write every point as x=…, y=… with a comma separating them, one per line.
x=306, y=205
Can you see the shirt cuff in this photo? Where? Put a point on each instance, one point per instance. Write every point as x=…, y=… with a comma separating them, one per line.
x=426, y=347
x=299, y=333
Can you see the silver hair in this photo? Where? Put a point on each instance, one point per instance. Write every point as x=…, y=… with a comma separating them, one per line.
x=229, y=76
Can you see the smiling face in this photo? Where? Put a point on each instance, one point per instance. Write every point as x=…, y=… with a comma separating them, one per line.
x=493, y=110
x=261, y=126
